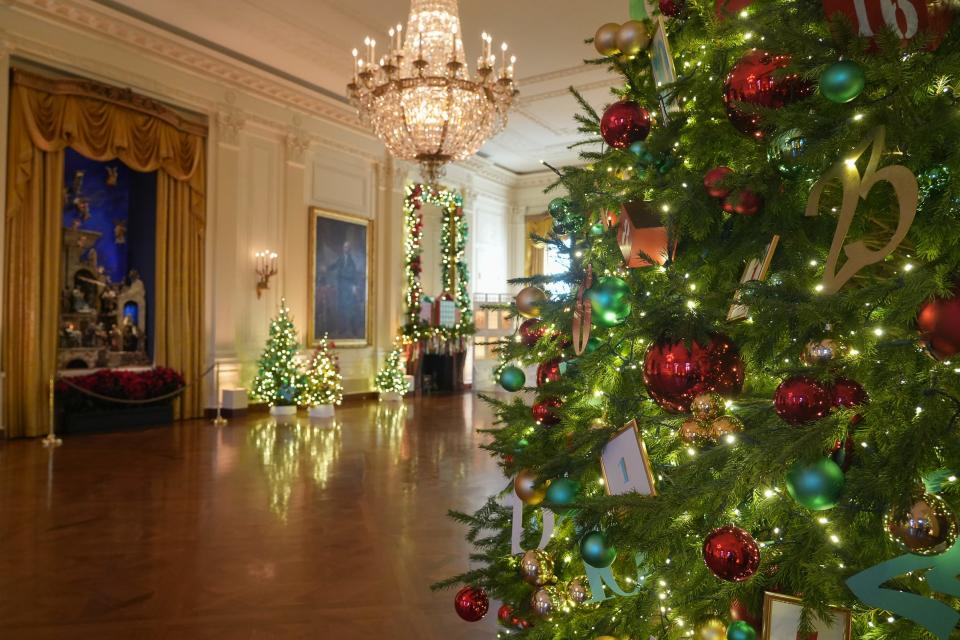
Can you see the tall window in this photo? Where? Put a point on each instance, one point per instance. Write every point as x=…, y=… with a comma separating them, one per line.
x=556, y=262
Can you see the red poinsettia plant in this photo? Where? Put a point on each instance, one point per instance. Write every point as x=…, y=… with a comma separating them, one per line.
x=142, y=386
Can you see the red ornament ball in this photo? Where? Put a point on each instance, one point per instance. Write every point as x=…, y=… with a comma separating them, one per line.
x=939, y=325
x=801, y=399
x=544, y=411
x=752, y=83
x=728, y=8
x=531, y=331
x=713, y=182
x=624, y=123
x=548, y=371
x=743, y=202
x=471, y=603
x=675, y=374
x=731, y=553
x=505, y=615
x=909, y=19
x=671, y=8
x=848, y=393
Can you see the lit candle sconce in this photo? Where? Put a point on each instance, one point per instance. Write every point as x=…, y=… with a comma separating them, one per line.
x=266, y=268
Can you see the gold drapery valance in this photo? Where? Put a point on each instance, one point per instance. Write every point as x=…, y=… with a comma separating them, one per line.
x=533, y=258
x=102, y=123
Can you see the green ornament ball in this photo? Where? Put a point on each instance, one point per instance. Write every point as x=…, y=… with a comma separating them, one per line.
x=512, y=378
x=559, y=207
x=741, y=630
x=562, y=492
x=610, y=299
x=596, y=552
x=842, y=82
x=597, y=230
x=593, y=344
x=816, y=486
x=785, y=149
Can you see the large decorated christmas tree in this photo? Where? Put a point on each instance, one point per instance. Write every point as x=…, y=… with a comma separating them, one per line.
x=745, y=422
x=279, y=380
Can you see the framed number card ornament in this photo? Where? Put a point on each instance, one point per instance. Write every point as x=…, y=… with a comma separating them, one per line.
x=625, y=464
x=756, y=271
x=781, y=620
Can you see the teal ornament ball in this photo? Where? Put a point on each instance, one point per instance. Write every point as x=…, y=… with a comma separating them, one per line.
x=562, y=492
x=639, y=149
x=785, y=149
x=741, y=630
x=596, y=552
x=597, y=230
x=610, y=299
x=816, y=486
x=512, y=378
x=842, y=82
x=592, y=344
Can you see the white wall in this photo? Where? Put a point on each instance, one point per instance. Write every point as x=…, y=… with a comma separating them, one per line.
x=274, y=150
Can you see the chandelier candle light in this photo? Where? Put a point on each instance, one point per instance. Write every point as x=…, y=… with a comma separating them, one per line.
x=419, y=97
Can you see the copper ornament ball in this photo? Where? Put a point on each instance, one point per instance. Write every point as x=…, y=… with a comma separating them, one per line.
x=693, y=432
x=632, y=37
x=530, y=302
x=536, y=568
x=712, y=629
x=528, y=488
x=927, y=528
x=546, y=601
x=706, y=406
x=578, y=590
x=725, y=426
x=605, y=39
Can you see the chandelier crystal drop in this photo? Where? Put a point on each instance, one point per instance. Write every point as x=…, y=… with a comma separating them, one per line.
x=419, y=97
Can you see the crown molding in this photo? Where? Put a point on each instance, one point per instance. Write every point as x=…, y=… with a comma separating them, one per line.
x=108, y=23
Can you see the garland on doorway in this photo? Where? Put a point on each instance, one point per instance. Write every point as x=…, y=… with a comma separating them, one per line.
x=454, y=271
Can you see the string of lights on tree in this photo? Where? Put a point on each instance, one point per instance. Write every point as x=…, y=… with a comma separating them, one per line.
x=323, y=383
x=453, y=263
x=788, y=355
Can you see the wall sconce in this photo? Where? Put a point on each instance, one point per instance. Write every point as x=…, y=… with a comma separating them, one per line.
x=266, y=268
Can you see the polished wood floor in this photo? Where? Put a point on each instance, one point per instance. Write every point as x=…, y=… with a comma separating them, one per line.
x=253, y=530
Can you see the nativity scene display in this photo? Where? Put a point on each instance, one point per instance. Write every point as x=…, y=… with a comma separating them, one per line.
x=107, y=258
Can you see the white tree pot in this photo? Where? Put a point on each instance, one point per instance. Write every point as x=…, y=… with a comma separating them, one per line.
x=322, y=411
x=390, y=396
x=278, y=410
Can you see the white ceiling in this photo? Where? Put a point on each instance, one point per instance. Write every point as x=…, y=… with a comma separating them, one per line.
x=310, y=41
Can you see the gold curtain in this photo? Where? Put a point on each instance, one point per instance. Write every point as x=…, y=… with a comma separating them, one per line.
x=101, y=123
x=533, y=259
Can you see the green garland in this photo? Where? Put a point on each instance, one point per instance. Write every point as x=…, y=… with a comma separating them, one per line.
x=453, y=262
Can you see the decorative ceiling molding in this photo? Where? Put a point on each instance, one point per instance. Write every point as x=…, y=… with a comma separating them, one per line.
x=559, y=73
x=191, y=57
x=556, y=93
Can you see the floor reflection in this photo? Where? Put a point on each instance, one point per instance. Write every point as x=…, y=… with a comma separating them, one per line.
x=284, y=448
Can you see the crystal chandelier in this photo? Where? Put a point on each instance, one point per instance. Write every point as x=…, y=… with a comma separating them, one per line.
x=419, y=97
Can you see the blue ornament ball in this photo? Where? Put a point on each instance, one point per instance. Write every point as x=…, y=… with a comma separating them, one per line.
x=842, y=82
x=562, y=492
x=596, y=552
x=816, y=486
x=741, y=630
x=512, y=378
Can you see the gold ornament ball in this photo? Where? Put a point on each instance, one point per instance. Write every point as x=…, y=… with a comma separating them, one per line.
x=536, y=567
x=546, y=601
x=712, y=629
x=693, y=432
x=927, y=528
x=528, y=488
x=632, y=37
x=707, y=406
x=578, y=590
x=606, y=39
x=530, y=302
x=821, y=351
x=724, y=426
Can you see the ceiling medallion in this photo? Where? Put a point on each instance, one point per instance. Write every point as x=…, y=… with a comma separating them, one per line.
x=419, y=98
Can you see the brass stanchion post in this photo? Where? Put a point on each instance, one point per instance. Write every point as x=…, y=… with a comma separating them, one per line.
x=52, y=440
x=219, y=420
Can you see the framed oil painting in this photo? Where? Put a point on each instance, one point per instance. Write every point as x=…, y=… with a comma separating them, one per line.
x=781, y=619
x=341, y=278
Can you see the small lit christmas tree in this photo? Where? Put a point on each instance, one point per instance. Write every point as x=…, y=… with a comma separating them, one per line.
x=391, y=378
x=323, y=384
x=279, y=379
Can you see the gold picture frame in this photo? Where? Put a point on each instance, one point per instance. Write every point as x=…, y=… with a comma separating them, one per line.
x=327, y=230
x=780, y=610
x=756, y=270
x=615, y=449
